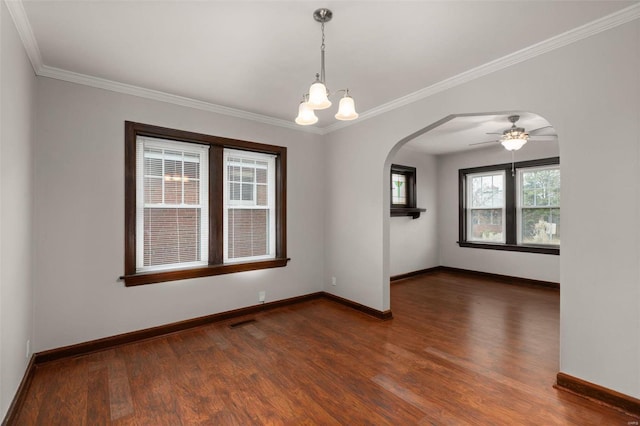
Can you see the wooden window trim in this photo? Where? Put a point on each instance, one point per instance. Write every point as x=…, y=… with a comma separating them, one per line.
x=217, y=145
x=511, y=193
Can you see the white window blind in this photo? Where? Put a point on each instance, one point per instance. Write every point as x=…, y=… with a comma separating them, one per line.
x=249, y=206
x=172, y=217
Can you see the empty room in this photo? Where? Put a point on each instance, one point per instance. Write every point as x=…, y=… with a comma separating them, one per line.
x=349, y=212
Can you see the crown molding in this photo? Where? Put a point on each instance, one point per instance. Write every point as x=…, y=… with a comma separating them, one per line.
x=19, y=16
x=605, y=23
x=128, y=89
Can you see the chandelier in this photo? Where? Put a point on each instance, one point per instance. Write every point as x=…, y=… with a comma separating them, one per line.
x=514, y=138
x=318, y=96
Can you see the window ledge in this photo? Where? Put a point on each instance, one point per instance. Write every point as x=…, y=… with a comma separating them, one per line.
x=512, y=247
x=204, y=271
x=406, y=211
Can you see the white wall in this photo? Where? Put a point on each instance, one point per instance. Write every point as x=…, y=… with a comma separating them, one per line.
x=16, y=140
x=542, y=267
x=589, y=90
x=413, y=243
x=79, y=219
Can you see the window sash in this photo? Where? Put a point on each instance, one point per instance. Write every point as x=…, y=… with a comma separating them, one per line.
x=471, y=208
x=238, y=158
x=194, y=150
x=548, y=228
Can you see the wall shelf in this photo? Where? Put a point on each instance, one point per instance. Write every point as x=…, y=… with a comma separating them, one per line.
x=406, y=211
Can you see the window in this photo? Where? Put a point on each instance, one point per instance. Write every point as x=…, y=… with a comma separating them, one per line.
x=539, y=206
x=171, y=209
x=199, y=205
x=485, y=198
x=511, y=206
x=249, y=206
x=403, y=186
x=403, y=191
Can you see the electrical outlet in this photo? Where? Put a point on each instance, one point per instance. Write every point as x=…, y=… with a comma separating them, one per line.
x=333, y=280
x=28, y=348
x=261, y=296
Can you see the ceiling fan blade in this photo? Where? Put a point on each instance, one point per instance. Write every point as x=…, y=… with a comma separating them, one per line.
x=493, y=133
x=483, y=143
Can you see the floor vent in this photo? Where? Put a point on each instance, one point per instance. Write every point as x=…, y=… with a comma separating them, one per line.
x=241, y=323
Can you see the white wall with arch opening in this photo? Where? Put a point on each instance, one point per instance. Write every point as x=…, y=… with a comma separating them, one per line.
x=590, y=91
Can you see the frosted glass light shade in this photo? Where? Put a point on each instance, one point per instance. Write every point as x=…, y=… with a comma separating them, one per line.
x=347, y=109
x=318, y=96
x=513, y=144
x=306, y=116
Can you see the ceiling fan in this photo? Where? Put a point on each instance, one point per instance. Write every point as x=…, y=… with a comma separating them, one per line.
x=515, y=137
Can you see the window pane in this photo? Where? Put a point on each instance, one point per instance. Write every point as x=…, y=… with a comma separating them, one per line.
x=540, y=187
x=248, y=174
x=247, y=192
x=192, y=192
x=171, y=236
x=247, y=233
x=261, y=175
x=233, y=173
x=262, y=195
x=486, y=191
x=486, y=225
x=153, y=165
x=191, y=167
x=541, y=226
x=398, y=189
x=153, y=190
x=234, y=191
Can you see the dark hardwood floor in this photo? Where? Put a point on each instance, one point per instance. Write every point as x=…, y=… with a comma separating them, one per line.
x=460, y=350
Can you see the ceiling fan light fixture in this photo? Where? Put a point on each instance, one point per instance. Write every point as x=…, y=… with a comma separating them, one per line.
x=514, y=138
x=513, y=144
x=318, y=96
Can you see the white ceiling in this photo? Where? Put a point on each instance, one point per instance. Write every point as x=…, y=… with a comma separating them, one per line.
x=261, y=56
x=479, y=131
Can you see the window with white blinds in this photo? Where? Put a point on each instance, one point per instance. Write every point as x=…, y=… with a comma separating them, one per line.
x=172, y=218
x=199, y=205
x=249, y=206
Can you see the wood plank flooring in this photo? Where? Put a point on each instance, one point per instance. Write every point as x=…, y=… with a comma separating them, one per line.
x=461, y=350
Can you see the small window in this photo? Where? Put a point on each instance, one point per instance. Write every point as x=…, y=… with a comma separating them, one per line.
x=199, y=205
x=403, y=186
x=514, y=206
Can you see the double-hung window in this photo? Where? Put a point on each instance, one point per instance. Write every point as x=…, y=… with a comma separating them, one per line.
x=249, y=206
x=171, y=210
x=514, y=206
x=486, y=211
x=199, y=205
x=539, y=205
